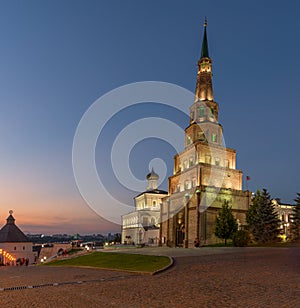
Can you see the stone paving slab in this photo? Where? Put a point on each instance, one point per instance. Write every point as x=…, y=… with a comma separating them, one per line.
x=185, y=252
x=251, y=277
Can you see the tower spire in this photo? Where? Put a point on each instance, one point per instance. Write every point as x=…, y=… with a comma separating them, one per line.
x=204, y=89
x=204, y=49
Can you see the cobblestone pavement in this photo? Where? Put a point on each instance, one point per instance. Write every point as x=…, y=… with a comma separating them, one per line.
x=244, y=277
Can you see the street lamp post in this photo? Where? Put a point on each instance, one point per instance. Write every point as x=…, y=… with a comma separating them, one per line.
x=286, y=225
x=186, y=221
x=168, y=222
x=198, y=232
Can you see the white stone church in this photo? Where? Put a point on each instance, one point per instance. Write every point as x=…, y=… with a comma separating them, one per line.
x=141, y=227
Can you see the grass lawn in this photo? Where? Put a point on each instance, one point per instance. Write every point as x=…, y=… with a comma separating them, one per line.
x=111, y=260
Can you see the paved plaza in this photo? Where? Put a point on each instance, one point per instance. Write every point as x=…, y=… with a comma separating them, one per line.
x=204, y=277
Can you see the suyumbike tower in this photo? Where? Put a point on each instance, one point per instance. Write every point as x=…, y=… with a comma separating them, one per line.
x=205, y=173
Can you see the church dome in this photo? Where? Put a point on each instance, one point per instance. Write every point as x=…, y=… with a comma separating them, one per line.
x=152, y=175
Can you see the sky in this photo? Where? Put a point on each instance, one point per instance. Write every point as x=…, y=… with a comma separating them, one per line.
x=58, y=57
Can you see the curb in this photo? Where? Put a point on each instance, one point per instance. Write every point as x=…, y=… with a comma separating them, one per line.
x=166, y=267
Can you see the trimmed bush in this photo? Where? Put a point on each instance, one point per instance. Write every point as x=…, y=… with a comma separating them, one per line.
x=240, y=238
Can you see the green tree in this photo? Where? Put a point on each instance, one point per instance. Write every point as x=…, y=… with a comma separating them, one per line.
x=226, y=224
x=262, y=218
x=295, y=219
x=118, y=238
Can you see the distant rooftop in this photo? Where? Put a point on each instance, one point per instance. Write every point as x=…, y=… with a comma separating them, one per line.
x=153, y=191
x=10, y=233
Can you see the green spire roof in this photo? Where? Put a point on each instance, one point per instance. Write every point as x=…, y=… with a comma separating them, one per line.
x=204, y=49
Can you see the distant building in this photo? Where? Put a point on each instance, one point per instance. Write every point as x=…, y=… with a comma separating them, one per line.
x=284, y=212
x=15, y=242
x=142, y=225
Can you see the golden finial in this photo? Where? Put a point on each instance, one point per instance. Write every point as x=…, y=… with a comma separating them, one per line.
x=205, y=22
x=10, y=212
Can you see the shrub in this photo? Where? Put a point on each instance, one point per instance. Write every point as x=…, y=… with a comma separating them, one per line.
x=240, y=238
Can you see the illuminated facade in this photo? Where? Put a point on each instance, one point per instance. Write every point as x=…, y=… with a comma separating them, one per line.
x=284, y=212
x=141, y=227
x=205, y=171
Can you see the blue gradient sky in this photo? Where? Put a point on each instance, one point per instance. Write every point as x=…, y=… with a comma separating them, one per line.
x=58, y=57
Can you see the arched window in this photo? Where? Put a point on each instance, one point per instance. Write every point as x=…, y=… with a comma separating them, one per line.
x=185, y=164
x=145, y=221
x=188, y=140
x=194, y=182
x=187, y=184
x=201, y=112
